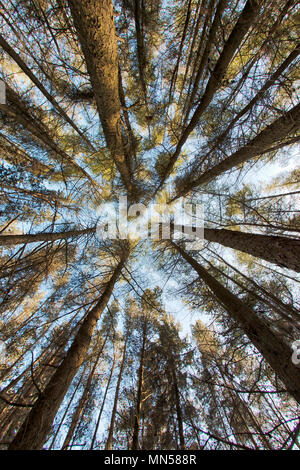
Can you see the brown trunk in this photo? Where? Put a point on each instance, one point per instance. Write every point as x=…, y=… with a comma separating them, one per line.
x=138, y=20
x=178, y=409
x=79, y=408
x=245, y=21
x=37, y=425
x=94, y=23
x=8, y=240
x=13, y=54
x=283, y=251
x=103, y=403
x=205, y=55
x=270, y=82
x=19, y=111
x=137, y=417
x=66, y=410
x=277, y=353
x=109, y=442
x=15, y=154
x=278, y=130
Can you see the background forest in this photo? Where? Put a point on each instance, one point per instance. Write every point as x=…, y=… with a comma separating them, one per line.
x=143, y=344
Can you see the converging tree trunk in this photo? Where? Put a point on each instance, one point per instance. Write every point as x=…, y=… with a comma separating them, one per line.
x=273, y=133
x=33, y=433
x=80, y=406
x=283, y=251
x=138, y=408
x=178, y=408
x=277, y=353
x=8, y=240
x=94, y=23
x=109, y=442
x=245, y=21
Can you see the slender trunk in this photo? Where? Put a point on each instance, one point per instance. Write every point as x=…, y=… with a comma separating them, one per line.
x=137, y=417
x=51, y=197
x=288, y=312
x=138, y=20
x=295, y=437
x=283, y=251
x=205, y=55
x=178, y=408
x=277, y=353
x=79, y=408
x=34, y=431
x=245, y=21
x=109, y=442
x=278, y=130
x=19, y=111
x=270, y=82
x=183, y=38
x=8, y=240
x=12, y=153
x=13, y=54
x=66, y=410
x=244, y=410
x=103, y=403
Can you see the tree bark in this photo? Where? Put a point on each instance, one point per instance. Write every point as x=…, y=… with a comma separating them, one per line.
x=137, y=417
x=8, y=240
x=94, y=23
x=279, y=71
x=109, y=442
x=205, y=55
x=245, y=21
x=33, y=433
x=178, y=409
x=103, y=403
x=273, y=133
x=17, y=58
x=283, y=251
x=80, y=406
x=19, y=111
x=277, y=353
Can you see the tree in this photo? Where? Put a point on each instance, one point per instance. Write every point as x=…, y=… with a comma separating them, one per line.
x=156, y=102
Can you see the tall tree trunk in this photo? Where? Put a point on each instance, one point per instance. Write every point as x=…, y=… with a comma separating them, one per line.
x=80, y=406
x=138, y=409
x=33, y=433
x=286, y=311
x=245, y=21
x=17, y=58
x=109, y=442
x=94, y=23
x=277, y=353
x=178, y=407
x=8, y=240
x=13, y=153
x=67, y=409
x=283, y=251
x=103, y=403
x=270, y=82
x=209, y=43
x=278, y=130
x=18, y=110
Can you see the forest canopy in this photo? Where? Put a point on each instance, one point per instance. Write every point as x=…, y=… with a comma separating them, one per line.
x=140, y=342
